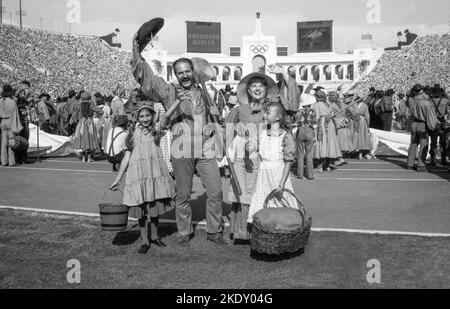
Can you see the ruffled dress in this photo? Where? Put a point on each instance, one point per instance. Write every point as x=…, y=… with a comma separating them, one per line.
x=86, y=135
x=361, y=137
x=147, y=179
x=274, y=152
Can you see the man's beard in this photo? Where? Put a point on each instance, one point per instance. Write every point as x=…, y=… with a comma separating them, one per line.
x=186, y=80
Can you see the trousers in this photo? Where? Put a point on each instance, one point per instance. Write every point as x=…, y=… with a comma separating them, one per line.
x=305, y=147
x=209, y=173
x=7, y=154
x=419, y=136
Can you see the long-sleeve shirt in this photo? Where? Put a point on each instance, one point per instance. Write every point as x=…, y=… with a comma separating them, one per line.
x=422, y=110
x=189, y=120
x=9, y=115
x=290, y=95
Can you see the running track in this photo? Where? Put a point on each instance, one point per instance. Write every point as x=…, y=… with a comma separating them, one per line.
x=376, y=195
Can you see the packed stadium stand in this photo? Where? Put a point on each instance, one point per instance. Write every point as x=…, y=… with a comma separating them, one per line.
x=426, y=61
x=56, y=63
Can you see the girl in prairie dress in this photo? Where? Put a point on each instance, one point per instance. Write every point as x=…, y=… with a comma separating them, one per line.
x=86, y=132
x=361, y=135
x=148, y=184
x=276, y=151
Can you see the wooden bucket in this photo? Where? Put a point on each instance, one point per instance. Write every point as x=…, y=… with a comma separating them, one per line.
x=113, y=216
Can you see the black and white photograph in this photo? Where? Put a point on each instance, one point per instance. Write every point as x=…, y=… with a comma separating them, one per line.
x=224, y=151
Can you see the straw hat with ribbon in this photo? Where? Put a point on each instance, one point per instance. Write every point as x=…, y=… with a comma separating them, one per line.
x=271, y=86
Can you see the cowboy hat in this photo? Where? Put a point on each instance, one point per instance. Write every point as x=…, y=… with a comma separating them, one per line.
x=318, y=88
x=437, y=90
x=120, y=120
x=7, y=91
x=242, y=94
x=389, y=92
x=307, y=99
x=148, y=31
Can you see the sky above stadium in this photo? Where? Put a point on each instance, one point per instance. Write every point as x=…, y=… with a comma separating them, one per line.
x=382, y=18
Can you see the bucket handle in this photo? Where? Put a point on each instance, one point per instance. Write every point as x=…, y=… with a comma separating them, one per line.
x=106, y=193
x=300, y=206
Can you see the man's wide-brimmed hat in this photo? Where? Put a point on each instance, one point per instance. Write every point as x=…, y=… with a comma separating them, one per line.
x=121, y=120
x=7, y=91
x=437, y=90
x=272, y=88
x=307, y=100
x=228, y=88
x=149, y=31
x=389, y=92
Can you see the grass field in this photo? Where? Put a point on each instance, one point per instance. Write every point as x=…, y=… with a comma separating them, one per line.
x=35, y=247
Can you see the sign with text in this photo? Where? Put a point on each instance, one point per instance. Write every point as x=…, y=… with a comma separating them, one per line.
x=203, y=37
x=315, y=36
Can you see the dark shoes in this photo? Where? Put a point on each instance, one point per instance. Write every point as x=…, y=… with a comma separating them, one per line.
x=422, y=169
x=144, y=249
x=159, y=243
x=217, y=239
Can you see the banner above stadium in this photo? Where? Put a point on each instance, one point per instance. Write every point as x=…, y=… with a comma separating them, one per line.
x=315, y=36
x=203, y=37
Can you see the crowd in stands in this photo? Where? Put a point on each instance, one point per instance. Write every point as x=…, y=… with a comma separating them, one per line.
x=56, y=63
x=425, y=62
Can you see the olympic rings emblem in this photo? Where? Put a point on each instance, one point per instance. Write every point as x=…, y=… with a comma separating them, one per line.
x=259, y=49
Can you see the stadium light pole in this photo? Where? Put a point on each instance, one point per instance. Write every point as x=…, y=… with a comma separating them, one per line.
x=1, y=12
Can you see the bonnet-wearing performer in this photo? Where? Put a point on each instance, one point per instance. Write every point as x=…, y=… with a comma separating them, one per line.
x=253, y=92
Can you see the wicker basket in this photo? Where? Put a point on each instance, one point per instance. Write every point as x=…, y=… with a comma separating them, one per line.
x=280, y=242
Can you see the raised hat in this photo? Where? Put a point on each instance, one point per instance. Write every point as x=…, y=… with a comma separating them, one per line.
x=148, y=31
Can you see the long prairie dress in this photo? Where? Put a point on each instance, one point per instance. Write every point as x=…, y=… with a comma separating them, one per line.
x=327, y=145
x=274, y=152
x=361, y=138
x=86, y=131
x=147, y=179
x=344, y=136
